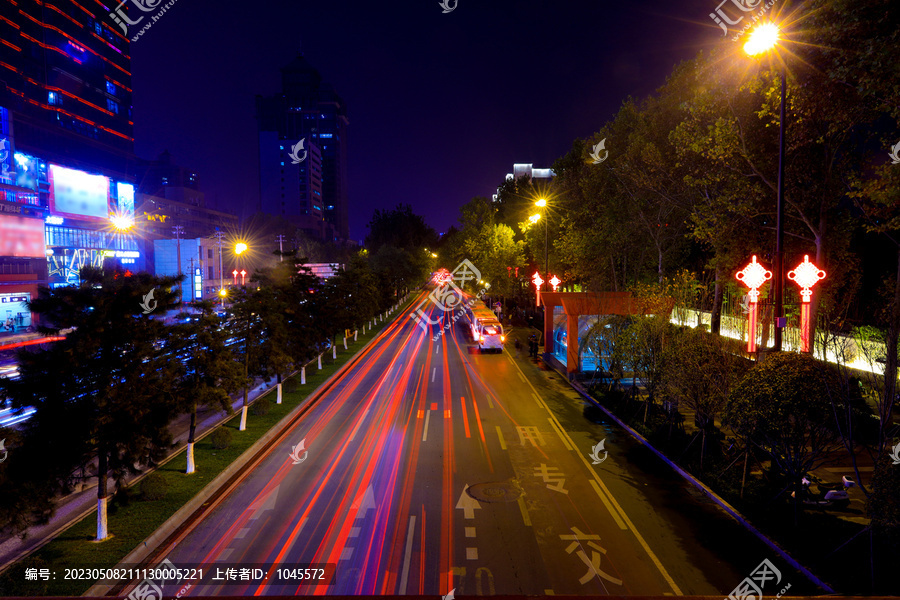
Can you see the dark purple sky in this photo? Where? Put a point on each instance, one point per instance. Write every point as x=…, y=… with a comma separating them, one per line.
x=440, y=105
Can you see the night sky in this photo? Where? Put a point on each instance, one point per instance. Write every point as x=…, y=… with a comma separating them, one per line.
x=440, y=105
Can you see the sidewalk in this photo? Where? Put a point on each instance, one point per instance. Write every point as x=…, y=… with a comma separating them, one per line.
x=77, y=505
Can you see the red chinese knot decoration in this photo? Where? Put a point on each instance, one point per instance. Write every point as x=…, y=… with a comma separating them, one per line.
x=536, y=279
x=555, y=281
x=806, y=275
x=754, y=275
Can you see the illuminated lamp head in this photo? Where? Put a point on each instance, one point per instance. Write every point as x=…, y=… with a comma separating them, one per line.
x=121, y=222
x=536, y=279
x=754, y=275
x=555, y=281
x=806, y=275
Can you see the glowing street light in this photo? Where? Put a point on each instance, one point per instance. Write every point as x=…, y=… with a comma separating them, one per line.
x=121, y=222
x=762, y=39
x=240, y=248
x=754, y=276
x=541, y=203
x=806, y=275
x=534, y=218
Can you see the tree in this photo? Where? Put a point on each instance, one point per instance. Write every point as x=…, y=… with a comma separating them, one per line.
x=207, y=371
x=782, y=407
x=698, y=374
x=101, y=395
x=400, y=228
x=247, y=327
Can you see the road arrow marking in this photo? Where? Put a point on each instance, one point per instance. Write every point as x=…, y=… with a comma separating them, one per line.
x=261, y=505
x=467, y=503
x=364, y=501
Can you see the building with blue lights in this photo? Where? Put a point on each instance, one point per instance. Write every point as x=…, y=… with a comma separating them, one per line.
x=304, y=183
x=66, y=150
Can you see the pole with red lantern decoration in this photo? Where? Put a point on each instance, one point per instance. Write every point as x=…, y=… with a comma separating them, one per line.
x=538, y=282
x=754, y=275
x=806, y=275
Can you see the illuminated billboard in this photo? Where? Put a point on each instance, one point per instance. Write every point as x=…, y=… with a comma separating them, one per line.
x=125, y=194
x=21, y=236
x=27, y=170
x=79, y=195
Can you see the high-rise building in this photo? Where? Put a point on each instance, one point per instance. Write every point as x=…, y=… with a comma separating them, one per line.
x=169, y=196
x=303, y=153
x=66, y=145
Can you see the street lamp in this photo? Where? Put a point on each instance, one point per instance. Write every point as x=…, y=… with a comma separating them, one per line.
x=240, y=248
x=761, y=40
x=542, y=203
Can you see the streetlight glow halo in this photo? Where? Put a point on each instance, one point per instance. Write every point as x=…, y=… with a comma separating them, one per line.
x=762, y=39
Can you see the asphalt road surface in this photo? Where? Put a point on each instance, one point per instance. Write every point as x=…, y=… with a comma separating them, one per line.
x=429, y=468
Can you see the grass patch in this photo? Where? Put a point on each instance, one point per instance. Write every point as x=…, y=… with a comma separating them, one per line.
x=130, y=524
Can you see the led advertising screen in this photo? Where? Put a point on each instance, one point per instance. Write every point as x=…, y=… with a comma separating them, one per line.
x=21, y=236
x=125, y=194
x=26, y=170
x=79, y=195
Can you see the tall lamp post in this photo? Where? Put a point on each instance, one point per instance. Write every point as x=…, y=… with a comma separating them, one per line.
x=542, y=203
x=761, y=40
x=220, y=235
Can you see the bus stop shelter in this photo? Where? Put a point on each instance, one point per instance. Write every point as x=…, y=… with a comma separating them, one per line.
x=567, y=311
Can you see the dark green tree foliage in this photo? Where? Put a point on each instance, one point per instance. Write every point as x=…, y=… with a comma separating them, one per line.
x=246, y=327
x=783, y=407
x=102, y=396
x=349, y=298
x=400, y=228
x=207, y=370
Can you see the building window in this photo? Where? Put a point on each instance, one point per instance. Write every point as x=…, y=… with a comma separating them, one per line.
x=210, y=270
x=209, y=253
x=111, y=88
x=53, y=98
x=113, y=106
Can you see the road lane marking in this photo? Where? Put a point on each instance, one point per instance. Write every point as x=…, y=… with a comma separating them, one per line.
x=471, y=553
x=560, y=434
x=346, y=553
x=609, y=507
x=524, y=510
x=532, y=434
x=538, y=400
x=434, y=406
x=549, y=592
x=500, y=435
x=656, y=562
x=358, y=424
x=465, y=415
x=354, y=531
x=425, y=429
x=447, y=413
x=240, y=534
x=404, y=574
x=433, y=373
x=522, y=377
x=470, y=532
x=225, y=553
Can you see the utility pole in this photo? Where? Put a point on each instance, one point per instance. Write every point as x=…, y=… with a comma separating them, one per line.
x=178, y=230
x=280, y=240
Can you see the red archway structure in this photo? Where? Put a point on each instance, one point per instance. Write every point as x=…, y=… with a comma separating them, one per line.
x=576, y=304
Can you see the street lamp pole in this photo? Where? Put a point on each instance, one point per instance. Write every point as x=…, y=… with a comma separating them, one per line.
x=779, y=220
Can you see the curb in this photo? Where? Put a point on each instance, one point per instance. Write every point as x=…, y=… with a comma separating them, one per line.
x=733, y=512
x=219, y=484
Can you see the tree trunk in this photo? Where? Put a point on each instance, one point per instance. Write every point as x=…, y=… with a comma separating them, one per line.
x=190, y=447
x=890, y=362
x=278, y=393
x=102, y=497
x=744, y=476
x=715, y=321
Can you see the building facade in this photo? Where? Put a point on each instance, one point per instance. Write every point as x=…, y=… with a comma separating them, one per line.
x=66, y=149
x=303, y=153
